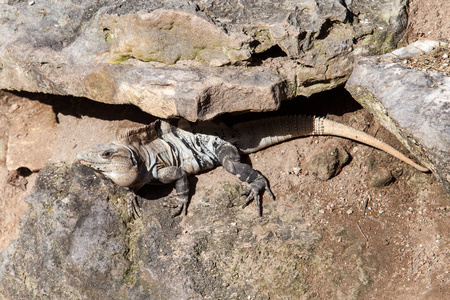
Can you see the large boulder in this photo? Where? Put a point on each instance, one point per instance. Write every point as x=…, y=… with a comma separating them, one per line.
x=412, y=104
x=76, y=242
x=194, y=59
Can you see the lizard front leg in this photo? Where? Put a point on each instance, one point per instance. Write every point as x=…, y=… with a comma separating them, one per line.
x=171, y=174
x=229, y=157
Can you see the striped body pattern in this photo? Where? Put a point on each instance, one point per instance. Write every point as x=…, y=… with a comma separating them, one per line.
x=176, y=147
x=164, y=153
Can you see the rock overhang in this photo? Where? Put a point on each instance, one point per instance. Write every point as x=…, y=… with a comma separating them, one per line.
x=186, y=59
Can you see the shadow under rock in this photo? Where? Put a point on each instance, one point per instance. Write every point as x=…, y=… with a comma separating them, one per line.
x=337, y=102
x=77, y=107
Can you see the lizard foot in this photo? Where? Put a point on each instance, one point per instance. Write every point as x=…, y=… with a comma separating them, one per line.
x=178, y=201
x=133, y=207
x=255, y=190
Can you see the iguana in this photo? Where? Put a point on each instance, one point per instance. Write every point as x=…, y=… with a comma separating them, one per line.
x=164, y=153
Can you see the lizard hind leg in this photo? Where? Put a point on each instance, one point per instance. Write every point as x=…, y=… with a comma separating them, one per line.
x=229, y=157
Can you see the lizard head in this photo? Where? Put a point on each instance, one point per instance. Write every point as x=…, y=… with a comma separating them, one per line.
x=116, y=162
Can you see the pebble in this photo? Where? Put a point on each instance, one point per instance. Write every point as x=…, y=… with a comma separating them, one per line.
x=445, y=55
x=349, y=212
x=381, y=177
x=14, y=107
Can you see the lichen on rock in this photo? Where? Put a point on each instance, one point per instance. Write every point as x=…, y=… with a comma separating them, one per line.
x=169, y=36
x=167, y=56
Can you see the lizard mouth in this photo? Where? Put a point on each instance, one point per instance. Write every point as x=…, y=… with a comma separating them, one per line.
x=82, y=161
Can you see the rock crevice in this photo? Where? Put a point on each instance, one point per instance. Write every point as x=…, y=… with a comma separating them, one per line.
x=165, y=57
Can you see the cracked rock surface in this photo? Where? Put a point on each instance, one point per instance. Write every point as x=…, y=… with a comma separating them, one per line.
x=412, y=104
x=78, y=243
x=194, y=59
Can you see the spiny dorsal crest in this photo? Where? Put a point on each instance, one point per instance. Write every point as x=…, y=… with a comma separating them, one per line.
x=142, y=134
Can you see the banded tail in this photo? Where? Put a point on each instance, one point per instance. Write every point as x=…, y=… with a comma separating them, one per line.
x=263, y=133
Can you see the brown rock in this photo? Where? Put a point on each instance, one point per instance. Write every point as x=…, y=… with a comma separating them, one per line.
x=32, y=134
x=328, y=161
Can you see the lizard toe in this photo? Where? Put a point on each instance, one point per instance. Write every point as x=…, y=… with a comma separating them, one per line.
x=180, y=205
x=248, y=200
x=133, y=208
x=181, y=209
x=254, y=193
x=178, y=212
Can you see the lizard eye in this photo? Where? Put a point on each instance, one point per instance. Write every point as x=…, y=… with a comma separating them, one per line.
x=106, y=154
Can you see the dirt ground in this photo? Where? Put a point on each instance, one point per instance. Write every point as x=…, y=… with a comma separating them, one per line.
x=12, y=190
x=404, y=225
x=428, y=19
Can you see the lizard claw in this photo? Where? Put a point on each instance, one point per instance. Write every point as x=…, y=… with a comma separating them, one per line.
x=177, y=202
x=182, y=207
x=133, y=207
x=253, y=193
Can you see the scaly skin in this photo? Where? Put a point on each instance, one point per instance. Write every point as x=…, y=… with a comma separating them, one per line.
x=162, y=153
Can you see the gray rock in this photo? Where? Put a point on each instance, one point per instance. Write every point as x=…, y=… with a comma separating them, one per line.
x=412, y=104
x=328, y=161
x=76, y=242
x=416, y=48
x=194, y=59
x=380, y=177
x=76, y=245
